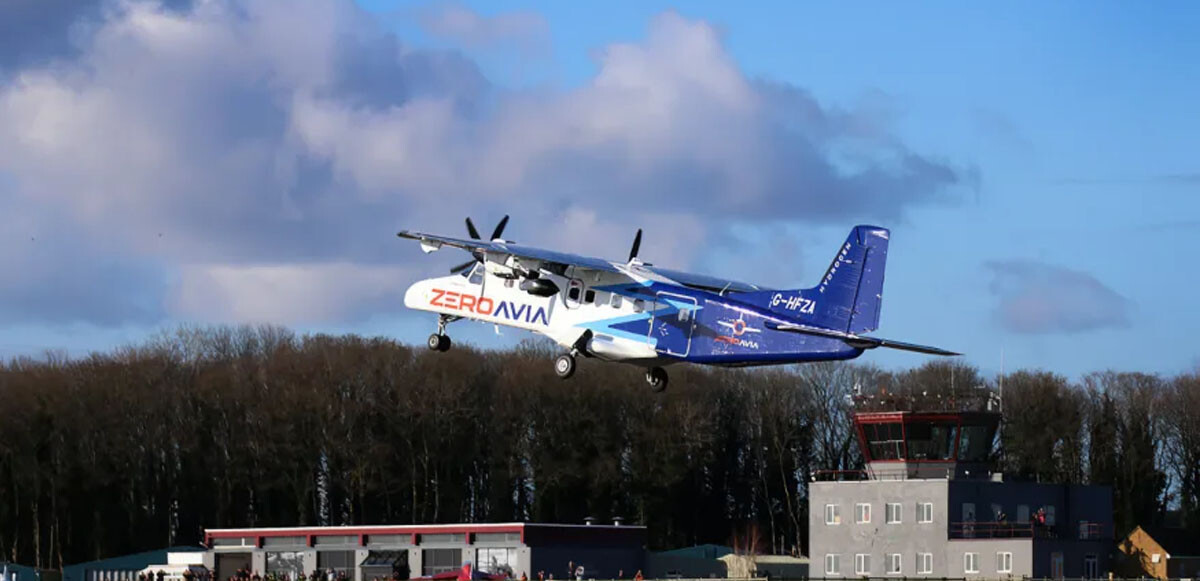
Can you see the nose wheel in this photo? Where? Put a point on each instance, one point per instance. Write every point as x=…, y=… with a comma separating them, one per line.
x=564, y=365
x=657, y=378
x=438, y=342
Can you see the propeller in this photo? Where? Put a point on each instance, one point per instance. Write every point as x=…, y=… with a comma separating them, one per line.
x=637, y=244
x=475, y=236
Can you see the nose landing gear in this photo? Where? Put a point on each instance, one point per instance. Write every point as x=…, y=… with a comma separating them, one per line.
x=440, y=341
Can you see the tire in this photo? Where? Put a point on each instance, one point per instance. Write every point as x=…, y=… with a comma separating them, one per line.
x=657, y=378
x=564, y=366
x=434, y=343
x=444, y=343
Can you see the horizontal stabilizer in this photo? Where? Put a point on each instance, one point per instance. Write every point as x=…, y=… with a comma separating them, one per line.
x=856, y=341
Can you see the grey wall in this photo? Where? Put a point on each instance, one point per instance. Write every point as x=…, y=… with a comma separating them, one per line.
x=878, y=538
x=1031, y=557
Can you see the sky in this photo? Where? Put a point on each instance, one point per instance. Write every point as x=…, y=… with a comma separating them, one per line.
x=196, y=162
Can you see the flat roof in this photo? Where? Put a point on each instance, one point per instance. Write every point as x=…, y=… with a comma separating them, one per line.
x=402, y=529
x=530, y=533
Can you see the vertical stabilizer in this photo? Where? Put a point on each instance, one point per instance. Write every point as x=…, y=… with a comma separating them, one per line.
x=849, y=295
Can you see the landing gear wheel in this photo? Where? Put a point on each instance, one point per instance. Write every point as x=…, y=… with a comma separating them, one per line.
x=438, y=342
x=657, y=378
x=564, y=366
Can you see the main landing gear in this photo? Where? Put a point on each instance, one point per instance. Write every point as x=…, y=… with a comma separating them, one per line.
x=657, y=378
x=564, y=365
x=440, y=341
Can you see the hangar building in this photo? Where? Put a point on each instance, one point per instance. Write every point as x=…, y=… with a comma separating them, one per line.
x=363, y=553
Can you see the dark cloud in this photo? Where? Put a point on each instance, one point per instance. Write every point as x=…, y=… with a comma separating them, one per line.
x=272, y=142
x=1038, y=298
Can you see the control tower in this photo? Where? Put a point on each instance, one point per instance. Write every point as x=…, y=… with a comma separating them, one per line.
x=907, y=444
x=930, y=503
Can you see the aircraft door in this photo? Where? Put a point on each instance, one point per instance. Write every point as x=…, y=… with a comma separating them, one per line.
x=573, y=294
x=672, y=324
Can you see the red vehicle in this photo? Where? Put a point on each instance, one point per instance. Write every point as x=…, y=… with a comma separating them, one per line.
x=467, y=573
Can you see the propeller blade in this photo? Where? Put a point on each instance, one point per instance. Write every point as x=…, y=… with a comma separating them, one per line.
x=471, y=230
x=500, y=228
x=463, y=266
x=637, y=244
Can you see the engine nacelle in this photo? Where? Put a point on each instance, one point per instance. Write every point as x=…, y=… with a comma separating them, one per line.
x=541, y=287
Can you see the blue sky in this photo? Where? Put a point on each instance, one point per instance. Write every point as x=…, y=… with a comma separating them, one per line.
x=1036, y=162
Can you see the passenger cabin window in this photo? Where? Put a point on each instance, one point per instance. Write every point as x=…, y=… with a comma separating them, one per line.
x=573, y=293
x=589, y=296
x=639, y=305
x=616, y=301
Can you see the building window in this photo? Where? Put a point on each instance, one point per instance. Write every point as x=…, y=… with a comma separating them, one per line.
x=1050, y=515
x=497, y=537
x=1056, y=565
x=970, y=562
x=998, y=513
x=1090, y=567
x=338, y=561
x=893, y=563
x=925, y=512
x=1004, y=562
x=862, y=564
x=497, y=561
x=833, y=514
x=1023, y=513
x=892, y=513
x=434, y=561
x=285, y=542
x=924, y=563
x=833, y=564
x=456, y=538
x=862, y=513
x=285, y=562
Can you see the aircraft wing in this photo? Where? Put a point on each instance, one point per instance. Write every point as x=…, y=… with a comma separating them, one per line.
x=702, y=281
x=433, y=242
x=857, y=341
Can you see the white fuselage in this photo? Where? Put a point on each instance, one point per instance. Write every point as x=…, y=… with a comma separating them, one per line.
x=582, y=304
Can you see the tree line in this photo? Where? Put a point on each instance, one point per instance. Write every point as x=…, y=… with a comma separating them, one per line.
x=146, y=446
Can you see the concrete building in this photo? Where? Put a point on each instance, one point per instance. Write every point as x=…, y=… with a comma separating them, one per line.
x=367, y=552
x=929, y=505
x=123, y=568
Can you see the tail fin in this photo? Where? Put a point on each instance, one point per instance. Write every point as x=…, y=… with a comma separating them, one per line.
x=850, y=294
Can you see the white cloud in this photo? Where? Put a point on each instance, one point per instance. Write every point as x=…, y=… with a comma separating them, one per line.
x=1036, y=298
x=288, y=293
x=227, y=135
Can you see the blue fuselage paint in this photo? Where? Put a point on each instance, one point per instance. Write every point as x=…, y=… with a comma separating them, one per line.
x=717, y=330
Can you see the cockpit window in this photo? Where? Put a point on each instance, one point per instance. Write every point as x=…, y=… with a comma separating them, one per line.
x=476, y=276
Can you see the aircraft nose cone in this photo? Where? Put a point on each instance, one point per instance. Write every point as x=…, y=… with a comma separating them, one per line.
x=414, y=297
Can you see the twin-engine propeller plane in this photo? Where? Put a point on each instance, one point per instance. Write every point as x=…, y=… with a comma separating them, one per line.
x=638, y=313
